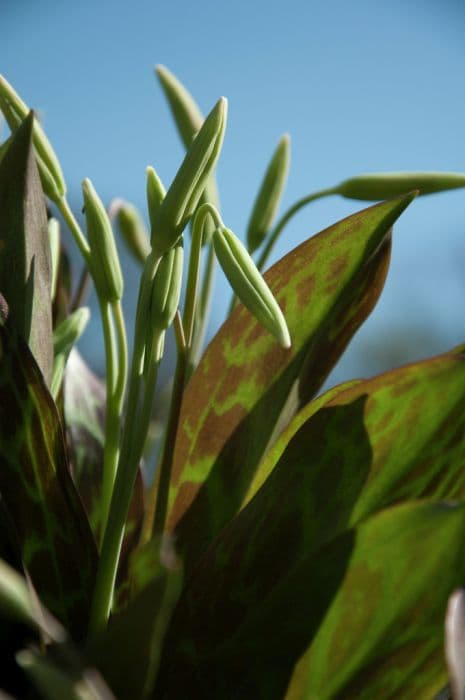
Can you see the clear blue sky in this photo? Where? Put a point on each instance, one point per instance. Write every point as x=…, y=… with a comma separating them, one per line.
x=360, y=86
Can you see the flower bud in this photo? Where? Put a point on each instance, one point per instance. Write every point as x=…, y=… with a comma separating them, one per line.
x=155, y=195
x=269, y=196
x=248, y=284
x=70, y=330
x=104, y=261
x=188, y=119
x=376, y=186
x=166, y=289
x=15, y=112
x=189, y=183
x=132, y=228
x=185, y=111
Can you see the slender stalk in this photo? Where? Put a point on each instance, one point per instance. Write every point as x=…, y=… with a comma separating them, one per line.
x=116, y=352
x=272, y=238
x=129, y=458
x=74, y=227
x=203, y=311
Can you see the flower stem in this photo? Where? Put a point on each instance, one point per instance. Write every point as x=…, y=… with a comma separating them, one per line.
x=74, y=227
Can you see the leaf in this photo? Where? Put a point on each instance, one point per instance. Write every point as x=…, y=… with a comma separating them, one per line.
x=326, y=288
x=130, y=669
x=25, y=249
x=398, y=436
x=55, y=681
x=84, y=407
x=362, y=616
x=415, y=422
x=53, y=533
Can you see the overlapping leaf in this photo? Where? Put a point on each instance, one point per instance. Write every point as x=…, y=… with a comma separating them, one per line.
x=25, y=267
x=361, y=617
x=56, y=542
x=326, y=287
x=353, y=452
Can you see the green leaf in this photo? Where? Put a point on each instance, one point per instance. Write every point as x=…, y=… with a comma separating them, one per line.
x=326, y=288
x=53, y=533
x=57, y=682
x=84, y=408
x=361, y=617
x=25, y=248
x=415, y=425
x=128, y=653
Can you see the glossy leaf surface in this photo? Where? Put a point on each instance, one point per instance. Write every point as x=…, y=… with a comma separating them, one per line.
x=25, y=248
x=357, y=618
x=56, y=542
x=326, y=288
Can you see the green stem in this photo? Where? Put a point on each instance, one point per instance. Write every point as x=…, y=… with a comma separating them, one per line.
x=128, y=462
x=203, y=311
x=116, y=383
x=74, y=227
x=157, y=516
x=286, y=218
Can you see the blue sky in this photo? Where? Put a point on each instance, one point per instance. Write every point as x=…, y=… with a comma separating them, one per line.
x=360, y=86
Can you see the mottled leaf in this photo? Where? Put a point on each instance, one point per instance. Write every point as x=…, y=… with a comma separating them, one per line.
x=25, y=266
x=326, y=288
x=361, y=617
x=128, y=652
x=56, y=542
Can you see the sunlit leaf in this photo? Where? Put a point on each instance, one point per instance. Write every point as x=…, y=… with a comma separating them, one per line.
x=326, y=288
x=25, y=248
x=360, y=617
x=56, y=542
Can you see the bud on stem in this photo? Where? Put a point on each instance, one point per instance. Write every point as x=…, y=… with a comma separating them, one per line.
x=269, y=196
x=189, y=183
x=249, y=285
x=132, y=228
x=104, y=260
x=376, y=186
x=15, y=112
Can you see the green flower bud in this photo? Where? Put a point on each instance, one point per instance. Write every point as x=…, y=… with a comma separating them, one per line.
x=132, y=228
x=104, y=261
x=15, y=112
x=188, y=119
x=54, y=238
x=189, y=183
x=269, y=196
x=249, y=285
x=185, y=111
x=155, y=195
x=166, y=289
x=376, y=186
x=70, y=330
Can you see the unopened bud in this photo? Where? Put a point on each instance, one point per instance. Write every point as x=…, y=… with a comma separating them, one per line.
x=189, y=183
x=248, y=284
x=104, y=260
x=15, y=112
x=376, y=186
x=65, y=336
x=132, y=228
x=269, y=196
x=166, y=289
x=155, y=195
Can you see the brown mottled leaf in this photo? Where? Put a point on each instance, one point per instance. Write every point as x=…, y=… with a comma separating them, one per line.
x=359, y=618
x=326, y=288
x=25, y=267
x=52, y=529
